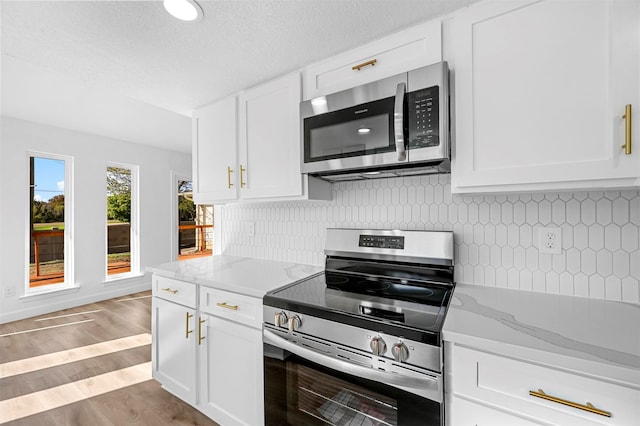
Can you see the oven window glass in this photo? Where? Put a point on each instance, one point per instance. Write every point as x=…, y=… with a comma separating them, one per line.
x=362, y=130
x=330, y=399
x=300, y=393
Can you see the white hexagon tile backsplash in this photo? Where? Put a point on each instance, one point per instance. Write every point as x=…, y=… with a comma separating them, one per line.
x=496, y=236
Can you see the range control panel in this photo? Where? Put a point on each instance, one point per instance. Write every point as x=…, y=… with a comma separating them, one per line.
x=382, y=241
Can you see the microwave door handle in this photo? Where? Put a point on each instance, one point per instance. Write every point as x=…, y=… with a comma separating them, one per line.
x=398, y=122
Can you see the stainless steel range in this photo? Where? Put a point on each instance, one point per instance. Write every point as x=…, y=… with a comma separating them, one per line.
x=360, y=343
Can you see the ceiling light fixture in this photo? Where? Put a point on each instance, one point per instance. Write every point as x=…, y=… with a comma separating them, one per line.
x=185, y=10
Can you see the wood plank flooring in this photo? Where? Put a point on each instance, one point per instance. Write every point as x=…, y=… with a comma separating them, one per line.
x=89, y=365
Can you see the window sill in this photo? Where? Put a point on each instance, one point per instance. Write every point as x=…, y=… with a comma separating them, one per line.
x=48, y=293
x=123, y=278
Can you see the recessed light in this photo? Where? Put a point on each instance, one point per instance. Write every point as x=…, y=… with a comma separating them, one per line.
x=364, y=130
x=185, y=10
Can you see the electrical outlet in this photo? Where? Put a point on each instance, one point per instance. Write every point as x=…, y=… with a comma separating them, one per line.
x=550, y=240
x=9, y=291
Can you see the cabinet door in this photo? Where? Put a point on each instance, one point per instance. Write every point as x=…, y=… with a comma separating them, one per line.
x=401, y=52
x=231, y=385
x=540, y=91
x=270, y=139
x=174, y=348
x=214, y=154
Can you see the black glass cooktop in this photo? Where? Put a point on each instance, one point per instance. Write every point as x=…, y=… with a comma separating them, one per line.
x=395, y=302
x=385, y=288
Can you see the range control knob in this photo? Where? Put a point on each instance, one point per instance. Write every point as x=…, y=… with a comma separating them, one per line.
x=378, y=346
x=280, y=319
x=294, y=323
x=400, y=352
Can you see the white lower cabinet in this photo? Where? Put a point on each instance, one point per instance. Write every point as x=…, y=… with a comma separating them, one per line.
x=485, y=388
x=231, y=362
x=210, y=357
x=174, y=348
x=231, y=358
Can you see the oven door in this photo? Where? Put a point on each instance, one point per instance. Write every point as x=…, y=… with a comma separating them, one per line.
x=309, y=388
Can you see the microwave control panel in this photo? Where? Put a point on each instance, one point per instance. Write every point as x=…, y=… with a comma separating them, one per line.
x=423, y=117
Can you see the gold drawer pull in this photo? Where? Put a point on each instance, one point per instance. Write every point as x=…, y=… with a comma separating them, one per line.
x=188, y=332
x=168, y=290
x=627, y=129
x=364, y=64
x=586, y=407
x=224, y=305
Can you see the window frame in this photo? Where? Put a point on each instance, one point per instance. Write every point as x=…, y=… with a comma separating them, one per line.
x=134, y=231
x=69, y=257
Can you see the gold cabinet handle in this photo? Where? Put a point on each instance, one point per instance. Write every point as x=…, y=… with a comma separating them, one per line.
x=242, y=182
x=586, y=407
x=226, y=306
x=627, y=129
x=364, y=64
x=187, y=331
x=169, y=290
x=229, y=171
x=200, y=336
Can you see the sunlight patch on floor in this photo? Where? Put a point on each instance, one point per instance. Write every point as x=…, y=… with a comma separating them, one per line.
x=68, y=315
x=54, y=359
x=133, y=298
x=45, y=328
x=48, y=399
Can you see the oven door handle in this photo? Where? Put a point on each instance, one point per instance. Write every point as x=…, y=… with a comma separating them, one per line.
x=431, y=385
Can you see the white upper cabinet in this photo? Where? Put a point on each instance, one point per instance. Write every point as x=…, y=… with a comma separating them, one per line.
x=247, y=147
x=413, y=48
x=214, y=154
x=539, y=91
x=269, y=137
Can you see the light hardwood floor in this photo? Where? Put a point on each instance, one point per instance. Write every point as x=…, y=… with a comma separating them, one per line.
x=89, y=365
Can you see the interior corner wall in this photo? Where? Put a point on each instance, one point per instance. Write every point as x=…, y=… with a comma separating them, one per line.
x=90, y=156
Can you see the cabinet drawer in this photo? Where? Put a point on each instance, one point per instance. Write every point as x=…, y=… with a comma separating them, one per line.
x=398, y=53
x=506, y=383
x=234, y=307
x=176, y=291
x=466, y=413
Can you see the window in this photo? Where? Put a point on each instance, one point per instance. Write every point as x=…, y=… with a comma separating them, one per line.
x=49, y=234
x=195, y=224
x=122, y=223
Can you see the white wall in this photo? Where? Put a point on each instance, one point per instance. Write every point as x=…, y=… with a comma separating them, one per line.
x=90, y=154
x=495, y=235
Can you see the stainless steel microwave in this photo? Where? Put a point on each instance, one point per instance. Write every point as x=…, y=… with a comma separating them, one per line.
x=391, y=127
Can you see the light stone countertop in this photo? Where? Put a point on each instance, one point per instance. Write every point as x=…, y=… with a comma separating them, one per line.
x=242, y=275
x=591, y=336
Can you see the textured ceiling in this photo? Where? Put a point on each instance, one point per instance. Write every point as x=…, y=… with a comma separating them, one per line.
x=135, y=51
